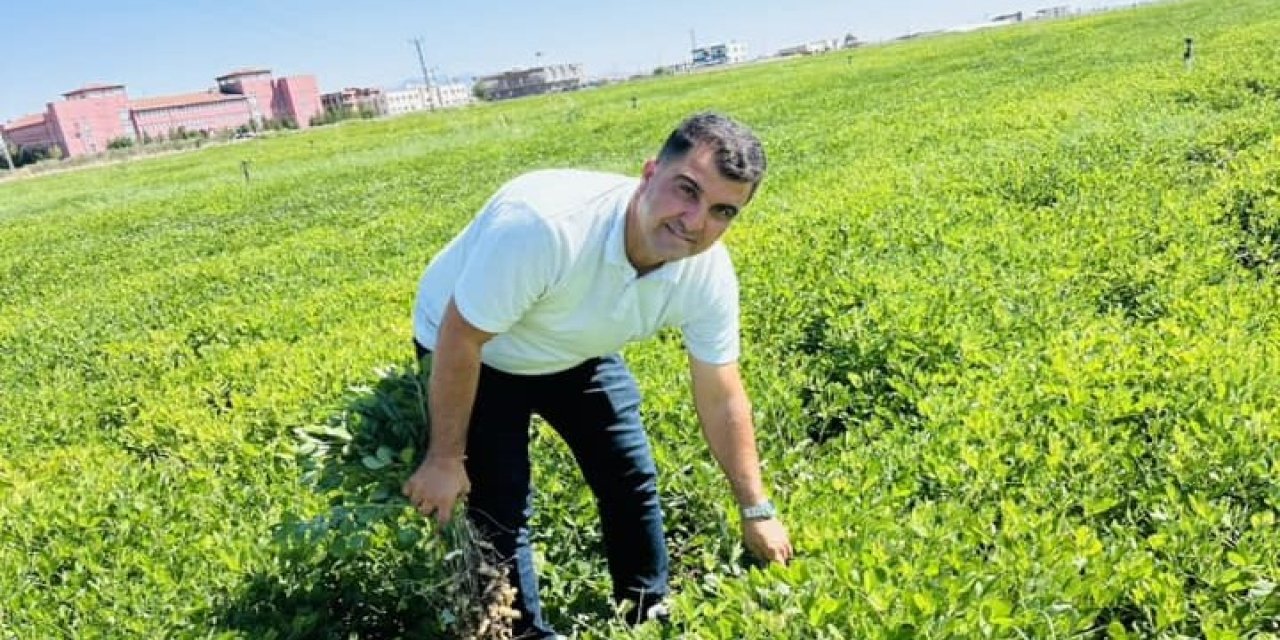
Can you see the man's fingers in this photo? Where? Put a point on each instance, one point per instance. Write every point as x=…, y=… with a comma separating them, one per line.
x=426, y=508
x=781, y=556
x=445, y=511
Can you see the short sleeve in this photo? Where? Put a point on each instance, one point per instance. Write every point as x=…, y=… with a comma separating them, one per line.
x=711, y=334
x=511, y=264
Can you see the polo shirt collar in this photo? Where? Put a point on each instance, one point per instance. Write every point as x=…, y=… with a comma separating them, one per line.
x=615, y=248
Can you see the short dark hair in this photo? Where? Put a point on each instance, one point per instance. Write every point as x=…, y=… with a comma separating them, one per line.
x=739, y=154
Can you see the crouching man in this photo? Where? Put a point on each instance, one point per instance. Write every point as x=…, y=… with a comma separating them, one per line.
x=525, y=311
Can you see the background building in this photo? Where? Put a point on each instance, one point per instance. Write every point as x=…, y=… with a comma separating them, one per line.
x=454, y=94
x=821, y=46
x=208, y=111
x=809, y=48
x=1060, y=11
x=30, y=131
x=528, y=82
x=726, y=53
x=422, y=98
x=89, y=119
x=294, y=99
x=355, y=100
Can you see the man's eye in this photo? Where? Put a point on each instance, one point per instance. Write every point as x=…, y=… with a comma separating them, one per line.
x=687, y=190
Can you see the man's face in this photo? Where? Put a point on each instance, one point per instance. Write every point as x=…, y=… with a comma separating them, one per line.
x=682, y=208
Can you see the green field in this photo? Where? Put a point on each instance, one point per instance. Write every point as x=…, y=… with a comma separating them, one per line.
x=1011, y=318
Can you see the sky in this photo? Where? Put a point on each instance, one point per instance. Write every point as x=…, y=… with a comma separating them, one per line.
x=162, y=47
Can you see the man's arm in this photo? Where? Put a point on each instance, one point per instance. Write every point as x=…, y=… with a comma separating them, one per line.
x=455, y=374
x=725, y=413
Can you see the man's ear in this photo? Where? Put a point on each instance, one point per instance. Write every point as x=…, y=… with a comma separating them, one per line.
x=650, y=167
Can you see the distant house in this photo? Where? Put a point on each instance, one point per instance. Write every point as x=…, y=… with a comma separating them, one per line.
x=295, y=98
x=423, y=98
x=1008, y=17
x=527, y=82
x=88, y=119
x=355, y=100
x=671, y=69
x=1052, y=12
x=810, y=48
x=718, y=54
x=30, y=131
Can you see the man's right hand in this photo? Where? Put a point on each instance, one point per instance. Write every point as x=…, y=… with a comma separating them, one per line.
x=436, y=486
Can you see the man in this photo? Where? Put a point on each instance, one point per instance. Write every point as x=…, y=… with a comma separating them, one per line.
x=524, y=313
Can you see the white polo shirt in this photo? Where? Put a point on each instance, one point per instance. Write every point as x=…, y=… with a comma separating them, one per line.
x=544, y=266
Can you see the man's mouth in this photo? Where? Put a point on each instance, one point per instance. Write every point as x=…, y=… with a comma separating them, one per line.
x=677, y=234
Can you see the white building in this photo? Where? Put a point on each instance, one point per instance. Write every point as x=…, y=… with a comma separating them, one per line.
x=1061, y=11
x=518, y=83
x=419, y=98
x=726, y=53
x=810, y=48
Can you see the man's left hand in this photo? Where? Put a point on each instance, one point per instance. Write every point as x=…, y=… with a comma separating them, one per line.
x=768, y=540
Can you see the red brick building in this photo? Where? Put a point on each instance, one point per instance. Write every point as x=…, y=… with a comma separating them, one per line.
x=90, y=118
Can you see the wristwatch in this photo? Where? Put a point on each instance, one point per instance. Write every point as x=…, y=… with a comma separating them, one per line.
x=763, y=511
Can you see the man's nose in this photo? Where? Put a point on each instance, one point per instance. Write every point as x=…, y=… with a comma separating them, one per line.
x=693, y=217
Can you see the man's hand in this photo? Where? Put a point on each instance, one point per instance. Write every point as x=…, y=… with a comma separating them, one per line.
x=767, y=539
x=436, y=486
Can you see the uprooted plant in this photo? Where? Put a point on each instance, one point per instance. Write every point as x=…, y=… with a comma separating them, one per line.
x=365, y=564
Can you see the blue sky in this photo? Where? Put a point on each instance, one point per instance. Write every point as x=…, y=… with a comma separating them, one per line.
x=156, y=47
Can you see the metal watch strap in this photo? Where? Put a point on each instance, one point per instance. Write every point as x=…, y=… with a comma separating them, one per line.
x=763, y=511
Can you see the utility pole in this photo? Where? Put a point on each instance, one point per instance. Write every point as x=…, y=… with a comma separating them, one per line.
x=426, y=76
x=422, y=62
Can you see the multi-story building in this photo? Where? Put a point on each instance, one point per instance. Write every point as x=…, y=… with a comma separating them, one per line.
x=809, y=48
x=88, y=119
x=205, y=111
x=421, y=98
x=30, y=131
x=716, y=54
x=454, y=94
x=1060, y=11
x=355, y=100
x=528, y=82
x=295, y=98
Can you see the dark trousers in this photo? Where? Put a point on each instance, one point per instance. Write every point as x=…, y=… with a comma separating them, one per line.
x=595, y=407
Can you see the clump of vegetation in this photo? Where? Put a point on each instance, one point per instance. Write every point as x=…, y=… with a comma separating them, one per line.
x=366, y=565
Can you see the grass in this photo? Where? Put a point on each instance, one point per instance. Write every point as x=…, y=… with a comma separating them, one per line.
x=1009, y=309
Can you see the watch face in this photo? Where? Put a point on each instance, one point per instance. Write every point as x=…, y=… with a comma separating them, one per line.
x=762, y=511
